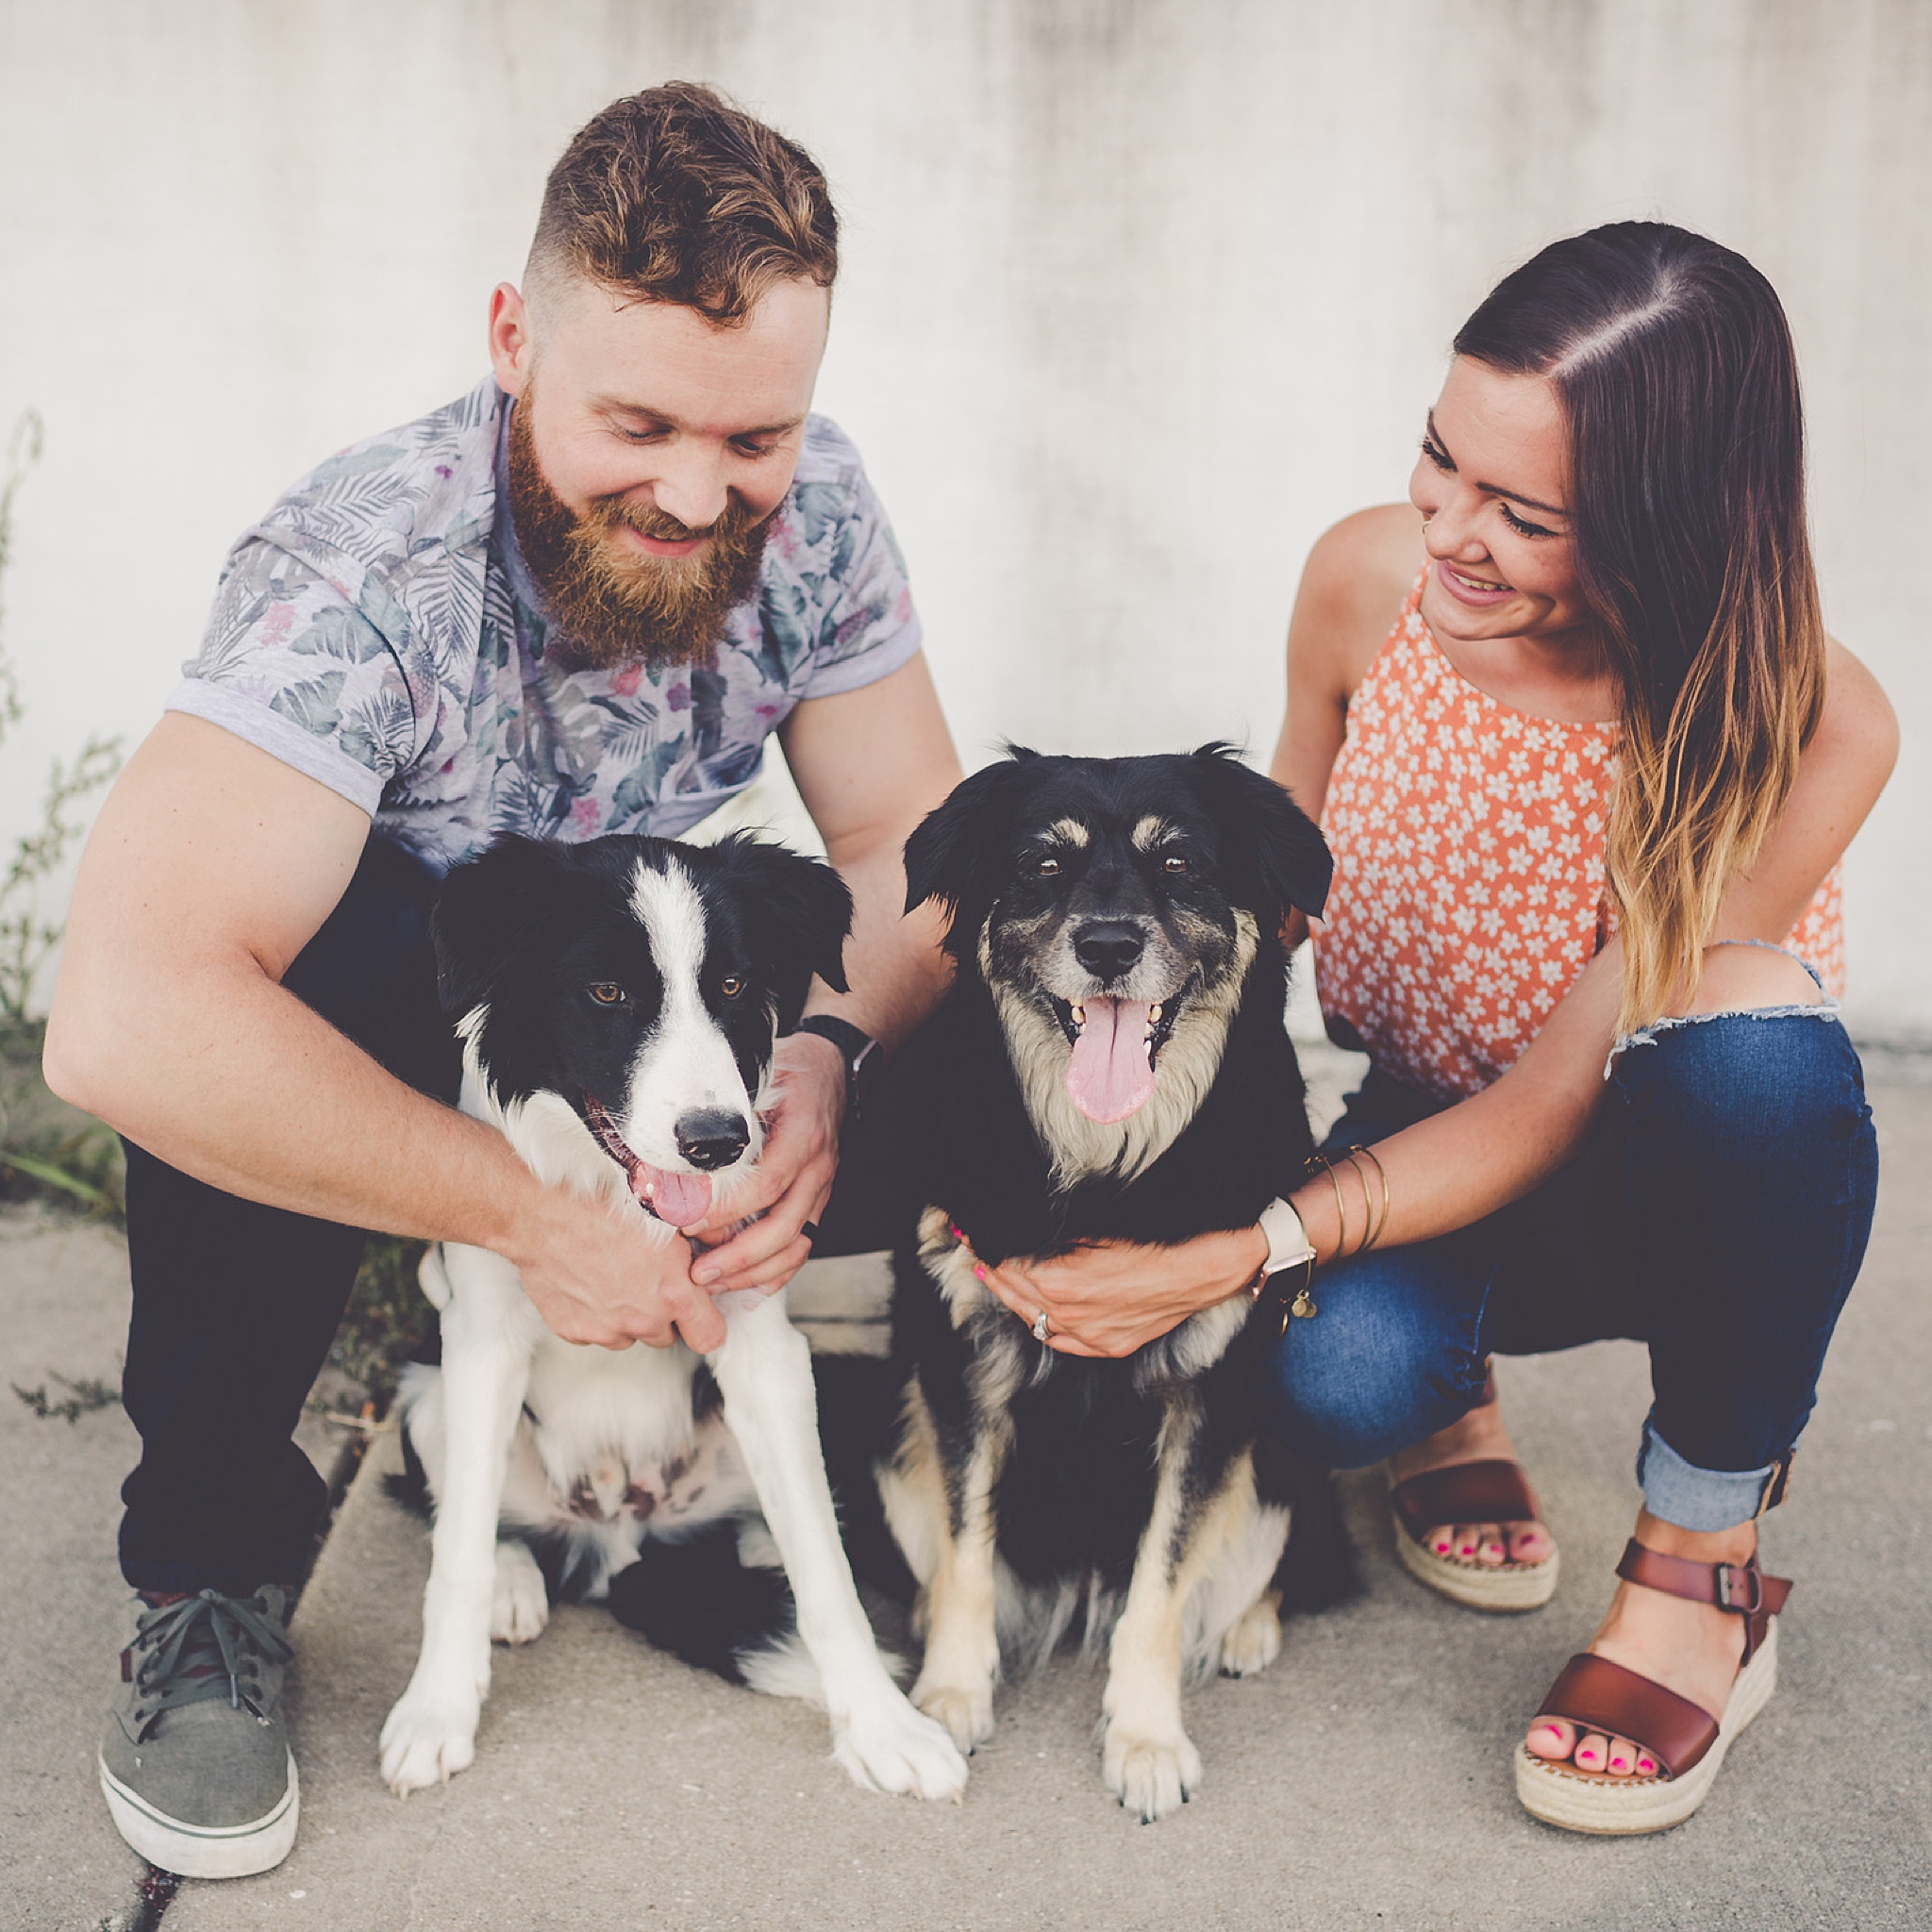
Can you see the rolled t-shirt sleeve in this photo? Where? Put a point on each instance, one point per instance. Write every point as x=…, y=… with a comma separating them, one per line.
x=292, y=665
x=869, y=626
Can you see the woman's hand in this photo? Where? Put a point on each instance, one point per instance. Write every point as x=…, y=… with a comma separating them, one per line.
x=1109, y=1298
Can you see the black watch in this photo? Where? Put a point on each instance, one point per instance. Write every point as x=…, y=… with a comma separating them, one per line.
x=864, y=1062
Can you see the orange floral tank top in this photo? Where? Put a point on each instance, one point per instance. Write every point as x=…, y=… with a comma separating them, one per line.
x=1469, y=887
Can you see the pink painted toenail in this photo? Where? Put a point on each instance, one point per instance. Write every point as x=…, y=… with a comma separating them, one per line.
x=1620, y=1764
x=1467, y=1550
x=1443, y=1548
x=1646, y=1765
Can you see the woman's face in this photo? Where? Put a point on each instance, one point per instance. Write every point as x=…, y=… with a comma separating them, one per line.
x=1493, y=483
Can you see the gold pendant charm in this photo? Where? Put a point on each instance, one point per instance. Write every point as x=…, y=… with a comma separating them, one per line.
x=1301, y=1305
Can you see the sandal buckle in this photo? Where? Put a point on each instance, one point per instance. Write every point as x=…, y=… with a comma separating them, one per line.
x=1729, y=1591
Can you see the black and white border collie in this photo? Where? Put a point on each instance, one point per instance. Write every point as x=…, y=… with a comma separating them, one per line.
x=1112, y=1063
x=618, y=1002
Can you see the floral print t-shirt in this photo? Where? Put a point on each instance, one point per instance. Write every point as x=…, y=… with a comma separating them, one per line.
x=378, y=631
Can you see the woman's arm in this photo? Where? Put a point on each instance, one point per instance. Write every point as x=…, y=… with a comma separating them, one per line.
x=1489, y=1150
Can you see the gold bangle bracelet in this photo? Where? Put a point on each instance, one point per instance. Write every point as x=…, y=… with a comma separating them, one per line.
x=1377, y=1222
x=1340, y=1206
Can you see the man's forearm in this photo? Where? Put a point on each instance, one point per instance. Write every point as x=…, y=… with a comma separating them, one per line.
x=892, y=959
x=242, y=1086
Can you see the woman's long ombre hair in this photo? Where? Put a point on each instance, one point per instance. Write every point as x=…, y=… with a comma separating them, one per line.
x=1674, y=365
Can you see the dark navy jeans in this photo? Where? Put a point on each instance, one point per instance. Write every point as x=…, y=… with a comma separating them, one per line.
x=1718, y=1212
x=234, y=1304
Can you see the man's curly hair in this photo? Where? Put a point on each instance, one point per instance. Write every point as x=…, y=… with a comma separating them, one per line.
x=675, y=195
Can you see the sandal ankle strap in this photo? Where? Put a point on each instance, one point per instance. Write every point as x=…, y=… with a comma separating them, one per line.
x=1742, y=1589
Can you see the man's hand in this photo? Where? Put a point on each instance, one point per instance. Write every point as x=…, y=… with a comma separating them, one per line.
x=792, y=1180
x=605, y=1277
x=1109, y=1298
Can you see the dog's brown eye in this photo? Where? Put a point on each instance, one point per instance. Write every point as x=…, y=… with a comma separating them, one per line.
x=1047, y=868
x=606, y=993
x=1173, y=862
x=731, y=985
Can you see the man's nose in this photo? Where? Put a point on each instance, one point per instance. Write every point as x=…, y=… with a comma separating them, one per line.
x=691, y=485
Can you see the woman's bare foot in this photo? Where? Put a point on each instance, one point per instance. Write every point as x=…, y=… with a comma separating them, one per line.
x=1479, y=1436
x=1691, y=1648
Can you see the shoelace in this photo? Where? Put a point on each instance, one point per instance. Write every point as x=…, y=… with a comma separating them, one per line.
x=200, y=1648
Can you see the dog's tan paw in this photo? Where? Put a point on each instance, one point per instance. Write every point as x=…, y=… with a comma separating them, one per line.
x=520, y=1606
x=965, y=1711
x=894, y=1748
x=1151, y=1777
x=427, y=1740
x=1254, y=1640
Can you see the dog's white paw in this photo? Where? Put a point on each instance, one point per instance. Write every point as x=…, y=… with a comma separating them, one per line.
x=519, y=1606
x=1150, y=1776
x=427, y=1738
x=1252, y=1640
x=891, y=1747
x=965, y=1710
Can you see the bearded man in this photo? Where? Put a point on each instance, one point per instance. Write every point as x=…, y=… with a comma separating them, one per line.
x=575, y=602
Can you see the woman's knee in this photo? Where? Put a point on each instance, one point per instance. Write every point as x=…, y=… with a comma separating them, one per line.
x=1359, y=1381
x=1787, y=1072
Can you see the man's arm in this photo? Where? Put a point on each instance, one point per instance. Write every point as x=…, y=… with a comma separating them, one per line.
x=211, y=866
x=868, y=764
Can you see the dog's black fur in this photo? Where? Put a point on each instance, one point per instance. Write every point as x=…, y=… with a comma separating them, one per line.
x=1028, y=856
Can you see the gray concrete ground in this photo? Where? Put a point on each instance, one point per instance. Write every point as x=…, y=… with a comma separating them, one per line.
x=1363, y=1782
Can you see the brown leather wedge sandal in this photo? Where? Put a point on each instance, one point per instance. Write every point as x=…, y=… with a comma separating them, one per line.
x=1491, y=1490
x=1687, y=1744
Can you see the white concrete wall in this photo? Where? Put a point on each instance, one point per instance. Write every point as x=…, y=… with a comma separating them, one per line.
x=1140, y=295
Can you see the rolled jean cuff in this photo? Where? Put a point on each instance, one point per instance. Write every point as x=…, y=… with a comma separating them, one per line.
x=1705, y=1500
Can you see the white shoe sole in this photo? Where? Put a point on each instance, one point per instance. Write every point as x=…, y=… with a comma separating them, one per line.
x=1617, y=1808
x=204, y=1851
x=1500, y=1587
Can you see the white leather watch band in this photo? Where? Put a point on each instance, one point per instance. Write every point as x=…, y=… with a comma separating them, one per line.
x=1288, y=1241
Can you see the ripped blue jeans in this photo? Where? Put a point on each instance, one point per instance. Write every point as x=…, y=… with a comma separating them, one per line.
x=1718, y=1212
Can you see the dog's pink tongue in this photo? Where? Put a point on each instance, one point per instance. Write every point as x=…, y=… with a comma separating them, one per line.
x=1109, y=1077
x=678, y=1198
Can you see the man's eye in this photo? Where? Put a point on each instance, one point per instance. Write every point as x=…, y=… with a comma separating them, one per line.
x=1175, y=863
x=731, y=985
x=606, y=993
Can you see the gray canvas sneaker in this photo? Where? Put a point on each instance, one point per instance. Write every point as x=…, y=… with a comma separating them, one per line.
x=195, y=1765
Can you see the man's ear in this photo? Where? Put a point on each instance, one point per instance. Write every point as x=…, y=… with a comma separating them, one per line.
x=1271, y=849
x=487, y=912
x=799, y=913
x=955, y=853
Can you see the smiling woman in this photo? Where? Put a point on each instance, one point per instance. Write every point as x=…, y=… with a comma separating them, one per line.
x=1587, y=796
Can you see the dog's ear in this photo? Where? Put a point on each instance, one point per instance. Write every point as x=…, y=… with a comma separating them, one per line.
x=798, y=912
x=485, y=914
x=1273, y=852
x=955, y=852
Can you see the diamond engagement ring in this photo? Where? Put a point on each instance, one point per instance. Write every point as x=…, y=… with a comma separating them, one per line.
x=1042, y=1327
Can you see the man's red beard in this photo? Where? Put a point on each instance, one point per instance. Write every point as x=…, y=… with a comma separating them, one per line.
x=617, y=604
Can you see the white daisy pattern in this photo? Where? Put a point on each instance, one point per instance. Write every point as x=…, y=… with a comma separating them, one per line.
x=1469, y=887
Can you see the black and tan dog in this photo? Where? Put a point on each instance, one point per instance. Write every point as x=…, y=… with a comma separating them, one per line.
x=1112, y=1063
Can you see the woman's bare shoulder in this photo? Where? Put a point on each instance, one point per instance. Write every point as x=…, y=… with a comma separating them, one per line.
x=1353, y=583
x=1858, y=720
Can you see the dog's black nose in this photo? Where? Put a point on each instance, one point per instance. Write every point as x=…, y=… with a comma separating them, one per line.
x=1108, y=947
x=709, y=1136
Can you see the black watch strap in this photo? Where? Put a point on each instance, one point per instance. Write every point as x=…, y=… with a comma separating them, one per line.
x=857, y=1048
